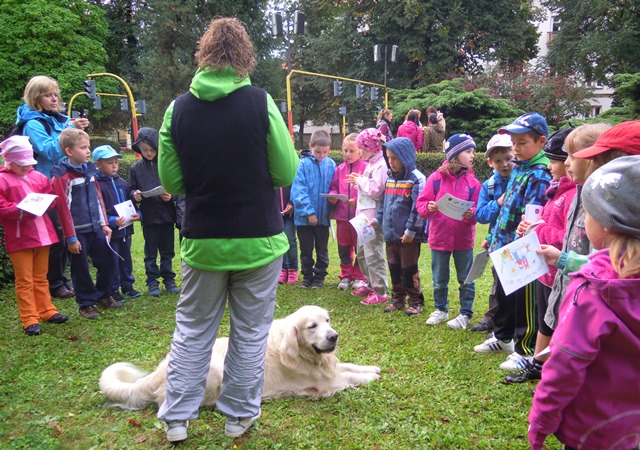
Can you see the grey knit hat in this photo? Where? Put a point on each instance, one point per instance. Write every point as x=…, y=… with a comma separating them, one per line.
x=610, y=195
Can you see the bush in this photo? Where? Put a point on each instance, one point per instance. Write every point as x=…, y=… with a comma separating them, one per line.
x=6, y=269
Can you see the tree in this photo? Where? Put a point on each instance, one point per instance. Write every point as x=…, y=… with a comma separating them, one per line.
x=596, y=38
x=627, y=99
x=66, y=46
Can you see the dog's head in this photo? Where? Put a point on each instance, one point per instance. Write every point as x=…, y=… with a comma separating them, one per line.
x=308, y=336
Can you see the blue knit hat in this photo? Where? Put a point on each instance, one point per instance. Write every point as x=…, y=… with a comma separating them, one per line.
x=458, y=143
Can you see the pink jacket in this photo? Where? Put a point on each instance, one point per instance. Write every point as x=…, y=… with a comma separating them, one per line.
x=555, y=215
x=338, y=186
x=412, y=131
x=23, y=230
x=445, y=233
x=371, y=184
x=589, y=396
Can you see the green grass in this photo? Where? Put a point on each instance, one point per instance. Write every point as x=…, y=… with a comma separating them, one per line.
x=434, y=393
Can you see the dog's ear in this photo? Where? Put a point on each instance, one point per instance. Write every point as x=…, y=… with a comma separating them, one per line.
x=289, y=350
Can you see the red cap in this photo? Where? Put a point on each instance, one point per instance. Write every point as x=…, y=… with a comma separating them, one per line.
x=624, y=137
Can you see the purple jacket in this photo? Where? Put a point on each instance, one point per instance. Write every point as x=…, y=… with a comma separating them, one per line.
x=589, y=396
x=338, y=186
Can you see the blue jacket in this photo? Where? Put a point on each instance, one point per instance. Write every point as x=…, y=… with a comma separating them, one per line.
x=312, y=179
x=114, y=190
x=488, y=208
x=398, y=214
x=46, y=147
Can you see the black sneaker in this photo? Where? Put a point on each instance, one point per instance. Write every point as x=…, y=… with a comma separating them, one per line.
x=89, y=312
x=131, y=292
x=33, y=330
x=63, y=292
x=317, y=283
x=532, y=371
x=481, y=328
x=58, y=318
x=117, y=297
x=109, y=303
x=306, y=282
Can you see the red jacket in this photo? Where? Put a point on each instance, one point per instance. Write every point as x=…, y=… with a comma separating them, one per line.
x=23, y=230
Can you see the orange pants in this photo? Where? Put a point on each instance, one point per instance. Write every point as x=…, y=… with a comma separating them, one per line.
x=32, y=288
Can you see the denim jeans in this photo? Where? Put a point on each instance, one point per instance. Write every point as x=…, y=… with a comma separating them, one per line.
x=462, y=260
x=290, y=259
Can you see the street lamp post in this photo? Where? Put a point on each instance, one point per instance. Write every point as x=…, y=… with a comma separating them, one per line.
x=377, y=56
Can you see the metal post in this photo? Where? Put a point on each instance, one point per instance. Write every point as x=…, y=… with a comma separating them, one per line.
x=385, y=65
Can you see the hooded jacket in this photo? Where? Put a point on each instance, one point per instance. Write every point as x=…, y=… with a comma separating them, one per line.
x=114, y=191
x=144, y=176
x=313, y=178
x=371, y=184
x=46, y=147
x=338, y=186
x=488, y=207
x=447, y=234
x=433, y=138
x=228, y=253
x=398, y=214
x=23, y=230
x=589, y=396
x=412, y=131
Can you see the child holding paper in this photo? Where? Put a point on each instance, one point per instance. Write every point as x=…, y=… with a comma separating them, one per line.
x=158, y=214
x=450, y=237
x=345, y=211
x=589, y=397
x=27, y=237
x=116, y=191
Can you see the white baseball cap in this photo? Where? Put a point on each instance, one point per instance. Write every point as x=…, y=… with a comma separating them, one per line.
x=498, y=140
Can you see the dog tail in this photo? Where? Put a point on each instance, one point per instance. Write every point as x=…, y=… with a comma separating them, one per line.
x=127, y=387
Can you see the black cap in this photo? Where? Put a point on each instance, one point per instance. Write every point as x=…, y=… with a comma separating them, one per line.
x=554, y=147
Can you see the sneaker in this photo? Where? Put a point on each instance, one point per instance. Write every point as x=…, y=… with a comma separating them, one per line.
x=237, y=427
x=532, y=371
x=492, y=344
x=109, y=303
x=57, y=318
x=63, y=292
x=317, y=283
x=481, y=328
x=393, y=307
x=306, y=282
x=437, y=317
x=375, y=299
x=362, y=291
x=89, y=312
x=177, y=430
x=284, y=276
x=413, y=310
x=515, y=361
x=154, y=290
x=171, y=287
x=358, y=284
x=131, y=292
x=459, y=323
x=293, y=276
x=118, y=297
x=344, y=284
x=33, y=330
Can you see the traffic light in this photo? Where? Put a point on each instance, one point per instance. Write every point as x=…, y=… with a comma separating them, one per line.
x=90, y=88
x=377, y=53
x=338, y=88
x=394, y=53
x=276, y=24
x=342, y=110
x=97, y=103
x=141, y=106
x=298, y=22
x=124, y=104
x=359, y=90
x=283, y=107
x=374, y=93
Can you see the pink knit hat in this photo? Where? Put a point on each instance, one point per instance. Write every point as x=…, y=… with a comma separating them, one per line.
x=17, y=149
x=370, y=140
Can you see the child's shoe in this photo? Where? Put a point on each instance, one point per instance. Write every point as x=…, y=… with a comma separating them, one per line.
x=493, y=344
x=131, y=292
x=458, y=323
x=317, y=283
x=375, y=299
x=393, y=307
x=57, y=318
x=293, y=276
x=109, y=303
x=118, y=297
x=284, y=276
x=306, y=282
x=437, y=317
x=516, y=361
x=154, y=290
x=481, y=327
x=344, y=284
x=33, y=330
x=171, y=287
x=358, y=284
x=89, y=312
x=413, y=310
x=362, y=291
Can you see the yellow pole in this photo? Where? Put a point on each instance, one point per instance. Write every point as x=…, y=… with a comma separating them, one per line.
x=289, y=113
x=134, y=115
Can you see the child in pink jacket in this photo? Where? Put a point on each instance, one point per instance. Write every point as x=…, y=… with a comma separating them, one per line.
x=411, y=129
x=345, y=210
x=27, y=236
x=451, y=237
x=589, y=396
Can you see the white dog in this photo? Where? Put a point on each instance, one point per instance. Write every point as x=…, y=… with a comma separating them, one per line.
x=300, y=362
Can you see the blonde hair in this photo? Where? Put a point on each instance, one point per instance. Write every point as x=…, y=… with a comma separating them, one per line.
x=36, y=88
x=624, y=251
x=70, y=137
x=350, y=138
x=453, y=166
x=584, y=136
x=226, y=43
x=320, y=138
x=383, y=113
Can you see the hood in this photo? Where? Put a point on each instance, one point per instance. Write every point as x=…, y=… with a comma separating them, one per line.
x=405, y=151
x=210, y=85
x=621, y=295
x=87, y=169
x=25, y=113
x=148, y=135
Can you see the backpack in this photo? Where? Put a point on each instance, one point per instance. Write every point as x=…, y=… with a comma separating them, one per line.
x=18, y=130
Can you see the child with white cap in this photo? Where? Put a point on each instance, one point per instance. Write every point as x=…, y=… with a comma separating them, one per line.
x=28, y=236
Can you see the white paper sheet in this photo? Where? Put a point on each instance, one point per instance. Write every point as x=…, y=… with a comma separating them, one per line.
x=365, y=231
x=532, y=213
x=158, y=190
x=126, y=210
x=477, y=268
x=36, y=203
x=342, y=197
x=453, y=207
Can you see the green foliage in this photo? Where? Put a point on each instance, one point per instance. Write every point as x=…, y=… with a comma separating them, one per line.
x=57, y=38
x=6, y=269
x=627, y=98
x=597, y=38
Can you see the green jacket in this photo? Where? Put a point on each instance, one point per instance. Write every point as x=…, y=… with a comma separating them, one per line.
x=218, y=254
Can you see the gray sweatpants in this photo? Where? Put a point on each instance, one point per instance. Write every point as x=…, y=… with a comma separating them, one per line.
x=251, y=295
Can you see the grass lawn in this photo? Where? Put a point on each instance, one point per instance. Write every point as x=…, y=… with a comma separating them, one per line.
x=434, y=393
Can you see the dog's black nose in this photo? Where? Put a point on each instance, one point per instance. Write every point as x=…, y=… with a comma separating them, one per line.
x=332, y=337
